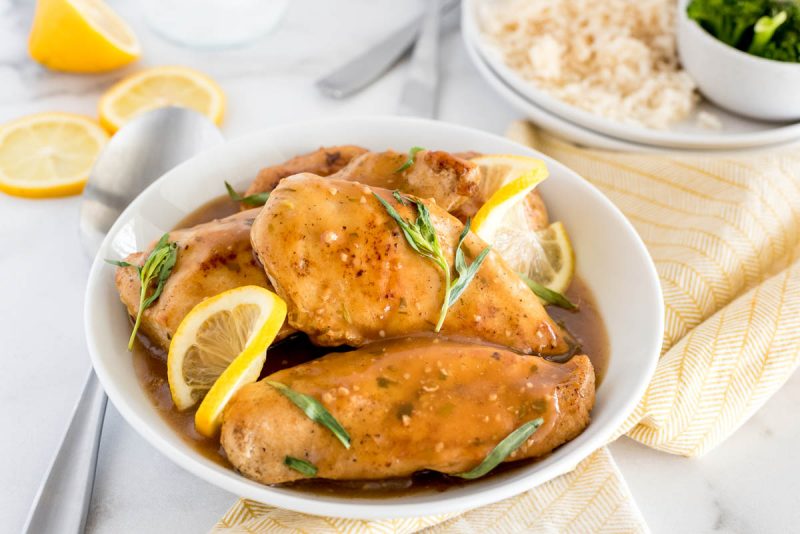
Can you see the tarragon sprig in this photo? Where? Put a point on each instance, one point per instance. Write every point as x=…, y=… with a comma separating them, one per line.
x=259, y=199
x=155, y=271
x=412, y=157
x=421, y=236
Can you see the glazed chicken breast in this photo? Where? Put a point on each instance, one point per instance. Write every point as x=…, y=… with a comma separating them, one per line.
x=407, y=405
x=447, y=179
x=322, y=162
x=212, y=258
x=349, y=276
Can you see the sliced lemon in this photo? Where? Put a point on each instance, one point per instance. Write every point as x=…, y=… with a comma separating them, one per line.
x=510, y=179
x=160, y=87
x=48, y=154
x=543, y=255
x=81, y=36
x=220, y=346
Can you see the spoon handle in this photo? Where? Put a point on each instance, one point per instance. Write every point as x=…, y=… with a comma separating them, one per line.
x=62, y=501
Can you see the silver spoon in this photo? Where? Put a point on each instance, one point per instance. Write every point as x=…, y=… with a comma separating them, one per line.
x=138, y=154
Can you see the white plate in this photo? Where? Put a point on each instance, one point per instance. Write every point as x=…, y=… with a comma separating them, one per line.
x=545, y=119
x=736, y=132
x=610, y=258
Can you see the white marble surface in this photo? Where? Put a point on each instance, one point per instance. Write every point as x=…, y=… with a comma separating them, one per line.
x=750, y=484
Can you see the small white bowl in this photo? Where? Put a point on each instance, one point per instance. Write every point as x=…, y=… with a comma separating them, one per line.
x=742, y=83
x=611, y=259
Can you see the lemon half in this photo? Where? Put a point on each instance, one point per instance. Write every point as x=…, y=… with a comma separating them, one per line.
x=219, y=347
x=81, y=36
x=48, y=154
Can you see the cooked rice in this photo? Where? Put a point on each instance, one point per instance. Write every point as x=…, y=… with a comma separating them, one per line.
x=614, y=58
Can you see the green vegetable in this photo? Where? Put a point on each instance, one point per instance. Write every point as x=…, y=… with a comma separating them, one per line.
x=412, y=157
x=421, y=236
x=766, y=28
x=259, y=199
x=548, y=295
x=503, y=449
x=156, y=269
x=727, y=20
x=314, y=410
x=301, y=466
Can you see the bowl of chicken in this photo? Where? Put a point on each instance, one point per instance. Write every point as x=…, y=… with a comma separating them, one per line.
x=422, y=405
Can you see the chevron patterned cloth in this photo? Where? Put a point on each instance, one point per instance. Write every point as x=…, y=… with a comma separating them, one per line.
x=724, y=233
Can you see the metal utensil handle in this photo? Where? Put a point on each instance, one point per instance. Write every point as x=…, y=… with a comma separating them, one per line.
x=366, y=67
x=62, y=501
x=421, y=88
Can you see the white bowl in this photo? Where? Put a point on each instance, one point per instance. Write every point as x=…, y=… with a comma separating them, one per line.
x=610, y=258
x=749, y=85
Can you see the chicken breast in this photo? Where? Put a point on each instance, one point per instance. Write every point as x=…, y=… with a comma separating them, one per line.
x=407, y=405
x=212, y=258
x=349, y=276
x=322, y=162
x=447, y=179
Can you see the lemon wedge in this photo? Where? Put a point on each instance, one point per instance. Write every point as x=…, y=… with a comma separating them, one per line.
x=543, y=255
x=509, y=178
x=160, y=87
x=48, y=154
x=81, y=36
x=219, y=347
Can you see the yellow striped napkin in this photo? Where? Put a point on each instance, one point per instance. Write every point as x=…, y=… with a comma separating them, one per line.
x=724, y=232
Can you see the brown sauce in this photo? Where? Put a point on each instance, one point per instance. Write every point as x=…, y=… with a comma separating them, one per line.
x=585, y=326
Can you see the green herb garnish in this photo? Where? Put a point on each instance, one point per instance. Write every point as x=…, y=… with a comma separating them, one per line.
x=412, y=157
x=421, y=236
x=548, y=295
x=503, y=449
x=259, y=199
x=156, y=269
x=314, y=410
x=465, y=273
x=301, y=466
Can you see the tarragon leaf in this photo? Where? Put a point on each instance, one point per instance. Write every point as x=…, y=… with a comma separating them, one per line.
x=465, y=273
x=548, y=295
x=412, y=157
x=259, y=199
x=301, y=466
x=503, y=449
x=314, y=410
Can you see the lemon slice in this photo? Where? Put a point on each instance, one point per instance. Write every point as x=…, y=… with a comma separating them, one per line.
x=550, y=261
x=48, y=154
x=81, y=36
x=219, y=347
x=160, y=87
x=543, y=255
x=510, y=178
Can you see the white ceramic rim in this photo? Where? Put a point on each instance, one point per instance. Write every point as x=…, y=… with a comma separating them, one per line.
x=564, y=459
x=780, y=133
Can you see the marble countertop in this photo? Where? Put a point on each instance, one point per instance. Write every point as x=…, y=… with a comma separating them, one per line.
x=749, y=484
